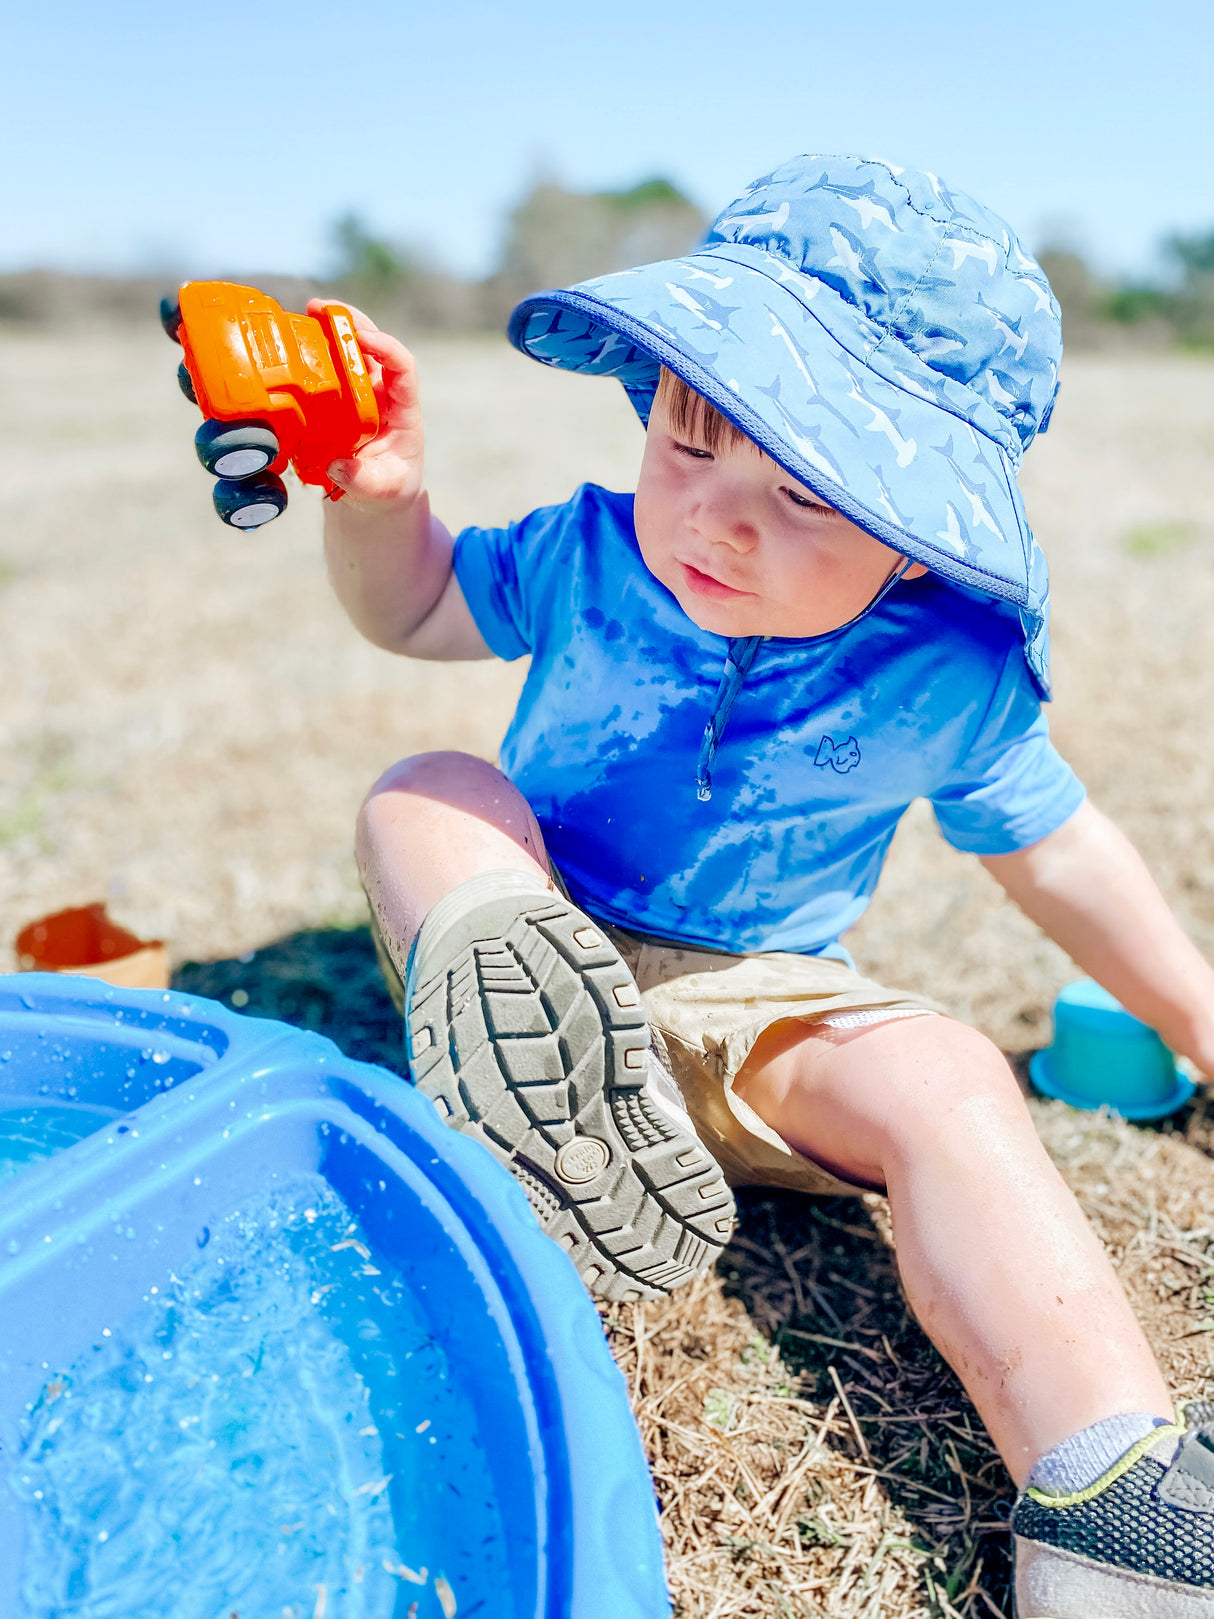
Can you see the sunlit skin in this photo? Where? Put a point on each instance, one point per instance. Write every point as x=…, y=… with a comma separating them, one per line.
x=744, y=548
x=995, y=1256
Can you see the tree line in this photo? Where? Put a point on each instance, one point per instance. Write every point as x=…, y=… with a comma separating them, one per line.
x=555, y=236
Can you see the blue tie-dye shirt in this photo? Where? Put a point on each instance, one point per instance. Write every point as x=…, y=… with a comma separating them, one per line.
x=826, y=742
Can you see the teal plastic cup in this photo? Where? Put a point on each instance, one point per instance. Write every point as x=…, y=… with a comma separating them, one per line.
x=1103, y=1056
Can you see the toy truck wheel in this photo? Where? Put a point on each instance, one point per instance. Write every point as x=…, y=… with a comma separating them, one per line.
x=249, y=502
x=170, y=318
x=235, y=449
x=186, y=383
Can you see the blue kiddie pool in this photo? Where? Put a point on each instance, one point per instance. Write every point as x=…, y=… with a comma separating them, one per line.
x=276, y=1344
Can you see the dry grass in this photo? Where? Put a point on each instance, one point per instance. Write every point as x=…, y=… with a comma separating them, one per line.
x=188, y=724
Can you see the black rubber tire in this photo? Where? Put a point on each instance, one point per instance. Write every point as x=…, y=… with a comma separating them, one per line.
x=235, y=450
x=186, y=383
x=246, y=503
x=526, y=1030
x=170, y=318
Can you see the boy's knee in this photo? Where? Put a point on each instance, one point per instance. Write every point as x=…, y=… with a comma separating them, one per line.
x=410, y=787
x=441, y=772
x=865, y=1099
x=444, y=807
x=459, y=780
x=955, y=1082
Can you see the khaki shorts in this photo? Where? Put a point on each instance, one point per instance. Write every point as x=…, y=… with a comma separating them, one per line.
x=706, y=1010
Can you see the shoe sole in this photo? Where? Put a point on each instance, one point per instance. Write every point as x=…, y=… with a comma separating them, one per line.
x=526, y=1030
x=1056, y=1584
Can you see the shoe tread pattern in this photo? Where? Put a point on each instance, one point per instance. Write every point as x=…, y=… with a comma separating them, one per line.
x=521, y=1022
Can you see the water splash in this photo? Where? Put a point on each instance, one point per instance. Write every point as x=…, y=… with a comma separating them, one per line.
x=274, y=1421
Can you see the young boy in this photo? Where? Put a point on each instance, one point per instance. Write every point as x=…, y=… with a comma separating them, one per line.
x=618, y=957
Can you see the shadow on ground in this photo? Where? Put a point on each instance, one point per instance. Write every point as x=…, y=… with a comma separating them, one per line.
x=817, y=1277
x=324, y=979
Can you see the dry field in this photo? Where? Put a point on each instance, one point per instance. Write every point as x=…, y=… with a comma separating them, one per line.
x=188, y=724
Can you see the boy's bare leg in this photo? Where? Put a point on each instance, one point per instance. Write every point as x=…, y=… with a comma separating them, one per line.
x=526, y=1030
x=999, y=1264
x=430, y=823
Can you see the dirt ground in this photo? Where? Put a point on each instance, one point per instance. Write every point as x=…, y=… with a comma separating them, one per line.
x=188, y=724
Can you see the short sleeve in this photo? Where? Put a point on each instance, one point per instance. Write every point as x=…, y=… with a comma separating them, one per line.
x=1011, y=788
x=504, y=574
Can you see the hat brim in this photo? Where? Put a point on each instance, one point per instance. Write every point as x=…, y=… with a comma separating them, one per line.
x=913, y=474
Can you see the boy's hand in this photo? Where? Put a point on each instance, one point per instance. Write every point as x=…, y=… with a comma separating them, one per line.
x=389, y=558
x=389, y=468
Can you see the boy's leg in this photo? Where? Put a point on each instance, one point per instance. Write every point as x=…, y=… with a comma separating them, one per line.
x=526, y=1029
x=1001, y=1268
x=1009, y=1281
x=432, y=822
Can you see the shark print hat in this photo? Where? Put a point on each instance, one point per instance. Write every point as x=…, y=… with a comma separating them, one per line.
x=884, y=339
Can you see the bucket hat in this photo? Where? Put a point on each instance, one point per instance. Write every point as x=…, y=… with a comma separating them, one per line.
x=885, y=339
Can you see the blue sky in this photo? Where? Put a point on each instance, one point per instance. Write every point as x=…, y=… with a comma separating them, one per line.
x=225, y=136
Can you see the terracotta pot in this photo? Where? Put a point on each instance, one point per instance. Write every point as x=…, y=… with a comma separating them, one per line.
x=86, y=941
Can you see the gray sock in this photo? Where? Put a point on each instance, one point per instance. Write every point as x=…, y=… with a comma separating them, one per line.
x=1085, y=1456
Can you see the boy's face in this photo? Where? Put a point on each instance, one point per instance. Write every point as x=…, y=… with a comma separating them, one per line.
x=743, y=547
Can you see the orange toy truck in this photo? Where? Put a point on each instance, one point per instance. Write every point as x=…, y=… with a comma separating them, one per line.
x=274, y=387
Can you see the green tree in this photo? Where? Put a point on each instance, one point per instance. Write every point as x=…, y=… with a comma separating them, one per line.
x=398, y=288
x=556, y=236
x=371, y=272
x=1183, y=302
x=1191, y=306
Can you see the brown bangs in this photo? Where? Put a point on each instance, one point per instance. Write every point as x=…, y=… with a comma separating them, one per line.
x=694, y=419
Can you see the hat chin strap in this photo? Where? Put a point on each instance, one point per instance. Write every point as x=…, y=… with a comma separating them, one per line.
x=891, y=579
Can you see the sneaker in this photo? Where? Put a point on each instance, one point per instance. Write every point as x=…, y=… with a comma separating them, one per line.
x=526, y=1030
x=1137, y=1544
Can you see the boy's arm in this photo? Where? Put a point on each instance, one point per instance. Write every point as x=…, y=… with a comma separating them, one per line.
x=389, y=558
x=1089, y=889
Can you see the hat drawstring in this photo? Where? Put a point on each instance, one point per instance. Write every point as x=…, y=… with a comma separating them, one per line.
x=738, y=659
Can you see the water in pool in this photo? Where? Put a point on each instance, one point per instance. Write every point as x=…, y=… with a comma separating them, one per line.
x=33, y=1131
x=272, y=1435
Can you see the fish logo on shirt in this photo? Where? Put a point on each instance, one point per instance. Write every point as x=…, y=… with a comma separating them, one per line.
x=841, y=756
